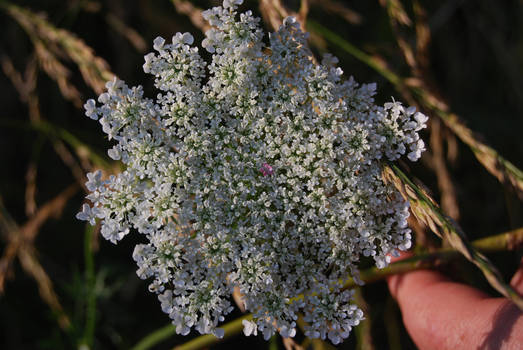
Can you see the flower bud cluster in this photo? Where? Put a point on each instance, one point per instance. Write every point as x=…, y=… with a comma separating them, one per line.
x=259, y=169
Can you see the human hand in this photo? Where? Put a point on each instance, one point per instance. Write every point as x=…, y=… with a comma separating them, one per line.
x=441, y=314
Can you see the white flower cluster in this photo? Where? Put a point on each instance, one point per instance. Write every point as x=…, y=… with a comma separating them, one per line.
x=261, y=170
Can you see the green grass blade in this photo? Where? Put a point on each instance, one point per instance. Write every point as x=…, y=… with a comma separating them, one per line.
x=90, y=280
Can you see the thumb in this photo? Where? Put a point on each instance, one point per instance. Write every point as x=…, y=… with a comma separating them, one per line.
x=441, y=314
x=517, y=279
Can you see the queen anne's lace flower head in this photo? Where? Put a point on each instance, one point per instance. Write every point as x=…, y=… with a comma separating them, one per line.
x=260, y=169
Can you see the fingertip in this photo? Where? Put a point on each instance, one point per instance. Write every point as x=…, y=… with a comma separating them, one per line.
x=517, y=280
x=393, y=282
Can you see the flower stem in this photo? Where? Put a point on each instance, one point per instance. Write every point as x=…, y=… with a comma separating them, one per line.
x=232, y=328
x=510, y=240
x=155, y=337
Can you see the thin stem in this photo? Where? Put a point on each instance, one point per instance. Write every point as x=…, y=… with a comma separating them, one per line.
x=510, y=240
x=363, y=332
x=273, y=343
x=232, y=328
x=372, y=62
x=90, y=314
x=155, y=337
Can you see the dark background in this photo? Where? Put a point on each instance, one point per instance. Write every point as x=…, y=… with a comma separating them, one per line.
x=473, y=60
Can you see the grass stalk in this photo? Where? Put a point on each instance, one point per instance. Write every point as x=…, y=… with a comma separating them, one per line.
x=95, y=71
x=506, y=172
x=54, y=131
x=428, y=212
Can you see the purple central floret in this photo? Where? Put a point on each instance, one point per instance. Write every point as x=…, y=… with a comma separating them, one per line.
x=193, y=157
x=266, y=169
